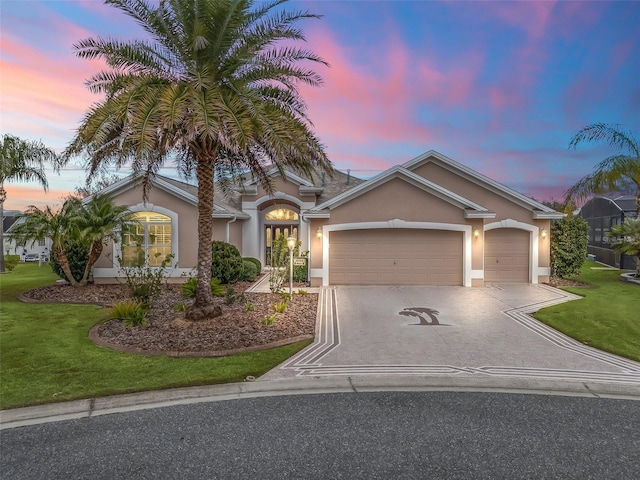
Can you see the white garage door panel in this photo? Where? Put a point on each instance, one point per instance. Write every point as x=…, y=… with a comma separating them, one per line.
x=506, y=255
x=395, y=257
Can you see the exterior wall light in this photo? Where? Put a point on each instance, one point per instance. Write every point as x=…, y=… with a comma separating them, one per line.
x=476, y=232
x=543, y=233
x=319, y=232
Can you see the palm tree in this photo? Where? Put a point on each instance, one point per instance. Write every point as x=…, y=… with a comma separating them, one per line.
x=36, y=224
x=22, y=161
x=614, y=173
x=628, y=241
x=96, y=222
x=211, y=90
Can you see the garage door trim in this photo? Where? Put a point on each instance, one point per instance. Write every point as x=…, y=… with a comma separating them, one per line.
x=397, y=223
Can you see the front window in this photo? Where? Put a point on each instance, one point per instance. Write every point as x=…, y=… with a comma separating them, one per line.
x=148, y=241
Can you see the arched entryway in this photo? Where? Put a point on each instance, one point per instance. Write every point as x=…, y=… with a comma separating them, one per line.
x=279, y=220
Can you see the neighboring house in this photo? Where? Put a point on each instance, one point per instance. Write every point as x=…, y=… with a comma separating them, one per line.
x=430, y=221
x=602, y=213
x=32, y=251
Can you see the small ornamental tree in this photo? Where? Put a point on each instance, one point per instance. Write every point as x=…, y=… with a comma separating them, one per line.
x=568, y=245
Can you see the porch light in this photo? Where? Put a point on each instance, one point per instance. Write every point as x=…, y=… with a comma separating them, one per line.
x=291, y=243
x=543, y=233
x=319, y=232
x=476, y=232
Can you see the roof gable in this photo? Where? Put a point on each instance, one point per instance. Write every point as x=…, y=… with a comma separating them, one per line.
x=539, y=211
x=472, y=209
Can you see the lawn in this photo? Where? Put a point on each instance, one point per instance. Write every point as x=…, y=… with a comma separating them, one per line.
x=46, y=356
x=607, y=318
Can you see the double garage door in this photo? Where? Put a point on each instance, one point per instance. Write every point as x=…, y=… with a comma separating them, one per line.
x=395, y=257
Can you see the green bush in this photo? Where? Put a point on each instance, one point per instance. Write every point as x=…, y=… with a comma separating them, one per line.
x=255, y=261
x=301, y=272
x=569, y=238
x=189, y=287
x=226, y=262
x=131, y=313
x=249, y=271
x=10, y=262
x=77, y=255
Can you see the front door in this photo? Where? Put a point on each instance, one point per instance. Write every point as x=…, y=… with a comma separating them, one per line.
x=272, y=232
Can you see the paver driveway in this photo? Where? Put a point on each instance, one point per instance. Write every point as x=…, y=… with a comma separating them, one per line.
x=448, y=331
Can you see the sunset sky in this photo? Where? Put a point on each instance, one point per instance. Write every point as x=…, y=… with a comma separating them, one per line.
x=498, y=86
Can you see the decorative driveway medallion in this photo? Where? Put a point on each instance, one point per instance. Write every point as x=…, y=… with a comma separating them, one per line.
x=422, y=313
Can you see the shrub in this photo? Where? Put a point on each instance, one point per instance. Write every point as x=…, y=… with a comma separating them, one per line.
x=77, y=255
x=270, y=320
x=145, y=282
x=188, y=288
x=301, y=272
x=249, y=271
x=226, y=262
x=10, y=261
x=231, y=296
x=255, y=261
x=130, y=313
x=280, y=307
x=568, y=245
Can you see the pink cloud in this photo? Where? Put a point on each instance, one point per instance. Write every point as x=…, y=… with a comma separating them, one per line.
x=19, y=197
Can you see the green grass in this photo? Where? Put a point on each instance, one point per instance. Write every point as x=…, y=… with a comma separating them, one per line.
x=607, y=318
x=46, y=355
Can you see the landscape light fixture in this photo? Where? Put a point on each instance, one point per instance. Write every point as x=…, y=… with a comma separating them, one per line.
x=291, y=244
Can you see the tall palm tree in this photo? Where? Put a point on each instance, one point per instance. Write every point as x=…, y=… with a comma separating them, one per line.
x=213, y=88
x=96, y=222
x=36, y=224
x=22, y=161
x=614, y=173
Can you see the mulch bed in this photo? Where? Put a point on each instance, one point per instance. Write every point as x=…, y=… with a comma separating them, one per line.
x=565, y=282
x=168, y=333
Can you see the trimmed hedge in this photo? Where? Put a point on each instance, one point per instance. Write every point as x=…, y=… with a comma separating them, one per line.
x=226, y=262
x=255, y=261
x=249, y=271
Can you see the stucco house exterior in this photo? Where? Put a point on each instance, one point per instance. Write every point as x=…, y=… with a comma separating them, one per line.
x=430, y=221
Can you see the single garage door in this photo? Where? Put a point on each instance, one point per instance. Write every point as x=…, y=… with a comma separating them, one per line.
x=506, y=255
x=395, y=257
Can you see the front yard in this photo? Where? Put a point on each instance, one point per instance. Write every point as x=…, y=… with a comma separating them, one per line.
x=607, y=318
x=46, y=355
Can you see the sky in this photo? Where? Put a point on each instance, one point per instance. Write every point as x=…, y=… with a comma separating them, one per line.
x=498, y=86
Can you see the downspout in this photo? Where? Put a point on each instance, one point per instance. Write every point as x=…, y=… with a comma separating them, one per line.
x=235, y=217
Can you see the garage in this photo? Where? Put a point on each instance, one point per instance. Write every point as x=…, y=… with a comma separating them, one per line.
x=506, y=255
x=396, y=257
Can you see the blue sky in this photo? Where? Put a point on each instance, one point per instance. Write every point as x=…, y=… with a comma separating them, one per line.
x=498, y=86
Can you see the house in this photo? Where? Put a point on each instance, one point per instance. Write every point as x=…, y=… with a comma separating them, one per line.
x=602, y=213
x=31, y=251
x=430, y=221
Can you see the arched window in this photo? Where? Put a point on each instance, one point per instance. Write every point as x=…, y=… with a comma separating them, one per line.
x=148, y=241
x=281, y=214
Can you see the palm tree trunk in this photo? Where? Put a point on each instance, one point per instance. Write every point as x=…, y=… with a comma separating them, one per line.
x=203, y=305
x=3, y=196
x=62, y=260
x=94, y=255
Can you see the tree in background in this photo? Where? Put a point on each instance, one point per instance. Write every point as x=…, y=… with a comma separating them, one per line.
x=613, y=174
x=77, y=224
x=569, y=238
x=628, y=241
x=215, y=89
x=37, y=224
x=21, y=161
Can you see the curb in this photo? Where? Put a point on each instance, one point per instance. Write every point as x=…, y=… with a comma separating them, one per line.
x=88, y=408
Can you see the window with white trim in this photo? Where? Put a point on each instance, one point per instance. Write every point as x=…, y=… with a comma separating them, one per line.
x=148, y=241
